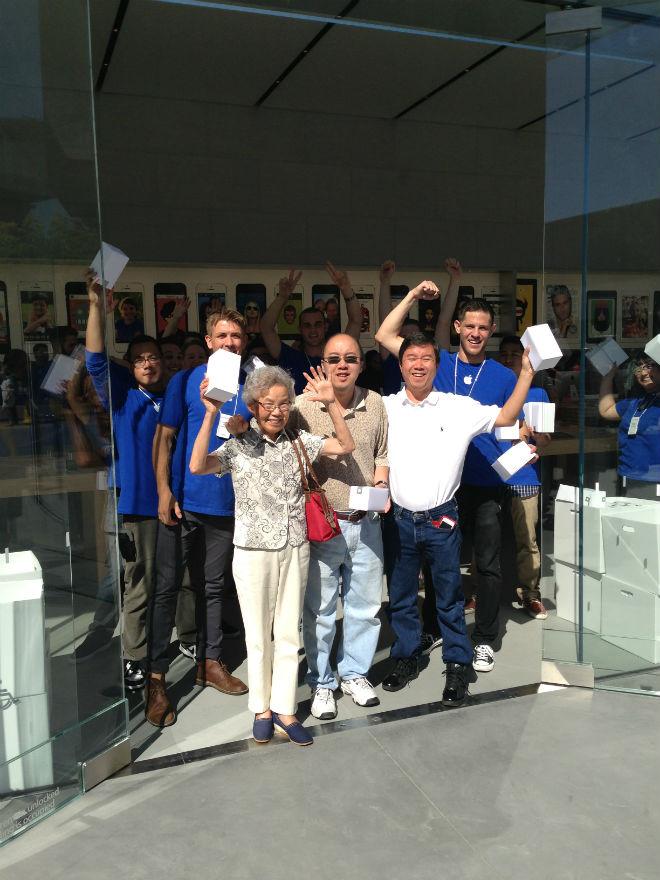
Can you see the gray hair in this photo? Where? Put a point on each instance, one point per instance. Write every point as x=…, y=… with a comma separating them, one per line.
x=260, y=381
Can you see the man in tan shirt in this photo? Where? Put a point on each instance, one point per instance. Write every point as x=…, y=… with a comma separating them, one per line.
x=356, y=555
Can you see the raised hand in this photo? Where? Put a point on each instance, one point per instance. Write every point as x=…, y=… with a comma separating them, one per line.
x=319, y=386
x=181, y=307
x=339, y=277
x=237, y=425
x=286, y=286
x=211, y=406
x=95, y=293
x=453, y=267
x=425, y=290
x=387, y=270
x=527, y=368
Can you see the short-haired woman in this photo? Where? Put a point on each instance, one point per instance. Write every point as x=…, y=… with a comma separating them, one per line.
x=271, y=555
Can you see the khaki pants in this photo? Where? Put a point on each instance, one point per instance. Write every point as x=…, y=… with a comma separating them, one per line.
x=138, y=585
x=525, y=514
x=270, y=586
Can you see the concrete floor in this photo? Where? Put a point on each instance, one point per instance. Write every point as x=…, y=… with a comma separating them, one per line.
x=208, y=718
x=557, y=786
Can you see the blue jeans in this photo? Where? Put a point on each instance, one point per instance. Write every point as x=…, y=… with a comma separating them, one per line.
x=357, y=556
x=411, y=538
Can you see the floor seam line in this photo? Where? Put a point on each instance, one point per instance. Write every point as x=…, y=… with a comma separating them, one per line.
x=430, y=800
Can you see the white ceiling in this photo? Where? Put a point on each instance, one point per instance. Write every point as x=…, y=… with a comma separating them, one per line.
x=186, y=52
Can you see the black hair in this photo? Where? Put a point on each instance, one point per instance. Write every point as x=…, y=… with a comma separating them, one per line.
x=511, y=340
x=200, y=343
x=138, y=340
x=420, y=340
x=475, y=305
x=309, y=310
x=412, y=321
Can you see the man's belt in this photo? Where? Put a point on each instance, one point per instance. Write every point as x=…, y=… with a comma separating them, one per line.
x=352, y=516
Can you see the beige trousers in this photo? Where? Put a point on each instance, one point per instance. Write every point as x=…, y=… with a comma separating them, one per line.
x=525, y=514
x=270, y=586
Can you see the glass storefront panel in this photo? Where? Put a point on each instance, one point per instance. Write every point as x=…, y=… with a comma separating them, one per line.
x=59, y=706
x=602, y=218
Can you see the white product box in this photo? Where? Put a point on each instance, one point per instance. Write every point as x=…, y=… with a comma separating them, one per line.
x=540, y=416
x=631, y=536
x=222, y=371
x=566, y=532
x=368, y=498
x=512, y=460
x=24, y=719
x=22, y=624
x=630, y=619
x=252, y=364
x=652, y=348
x=62, y=369
x=24, y=743
x=544, y=352
x=567, y=596
x=114, y=263
x=510, y=432
x=606, y=355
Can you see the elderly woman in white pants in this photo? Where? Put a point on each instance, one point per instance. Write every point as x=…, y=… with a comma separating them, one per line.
x=271, y=550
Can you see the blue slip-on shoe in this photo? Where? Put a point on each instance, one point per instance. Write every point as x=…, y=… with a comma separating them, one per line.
x=295, y=732
x=262, y=730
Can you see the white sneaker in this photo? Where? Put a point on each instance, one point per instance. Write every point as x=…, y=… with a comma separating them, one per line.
x=324, y=706
x=483, y=659
x=361, y=690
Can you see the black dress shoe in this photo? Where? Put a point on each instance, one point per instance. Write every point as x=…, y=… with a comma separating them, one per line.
x=405, y=671
x=456, y=685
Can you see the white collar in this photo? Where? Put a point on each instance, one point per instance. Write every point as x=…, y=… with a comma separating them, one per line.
x=431, y=399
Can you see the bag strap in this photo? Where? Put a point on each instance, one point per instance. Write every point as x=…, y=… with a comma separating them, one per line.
x=303, y=475
x=310, y=469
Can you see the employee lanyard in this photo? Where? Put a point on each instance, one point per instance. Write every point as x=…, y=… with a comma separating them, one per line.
x=155, y=405
x=641, y=409
x=467, y=379
x=221, y=430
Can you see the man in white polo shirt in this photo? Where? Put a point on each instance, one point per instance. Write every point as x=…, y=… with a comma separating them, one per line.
x=429, y=433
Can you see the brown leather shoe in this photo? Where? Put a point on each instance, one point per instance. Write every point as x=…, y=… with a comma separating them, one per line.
x=158, y=709
x=214, y=673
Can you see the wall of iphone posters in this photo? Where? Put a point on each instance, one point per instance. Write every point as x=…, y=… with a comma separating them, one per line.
x=38, y=317
x=465, y=291
x=562, y=310
x=210, y=298
x=171, y=307
x=325, y=298
x=77, y=306
x=5, y=338
x=397, y=293
x=655, y=328
x=288, y=321
x=251, y=303
x=128, y=315
x=525, y=304
x=428, y=312
x=634, y=322
x=365, y=296
x=601, y=314
x=501, y=306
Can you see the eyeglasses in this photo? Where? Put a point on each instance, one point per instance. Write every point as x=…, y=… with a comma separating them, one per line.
x=143, y=360
x=271, y=407
x=643, y=368
x=346, y=358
